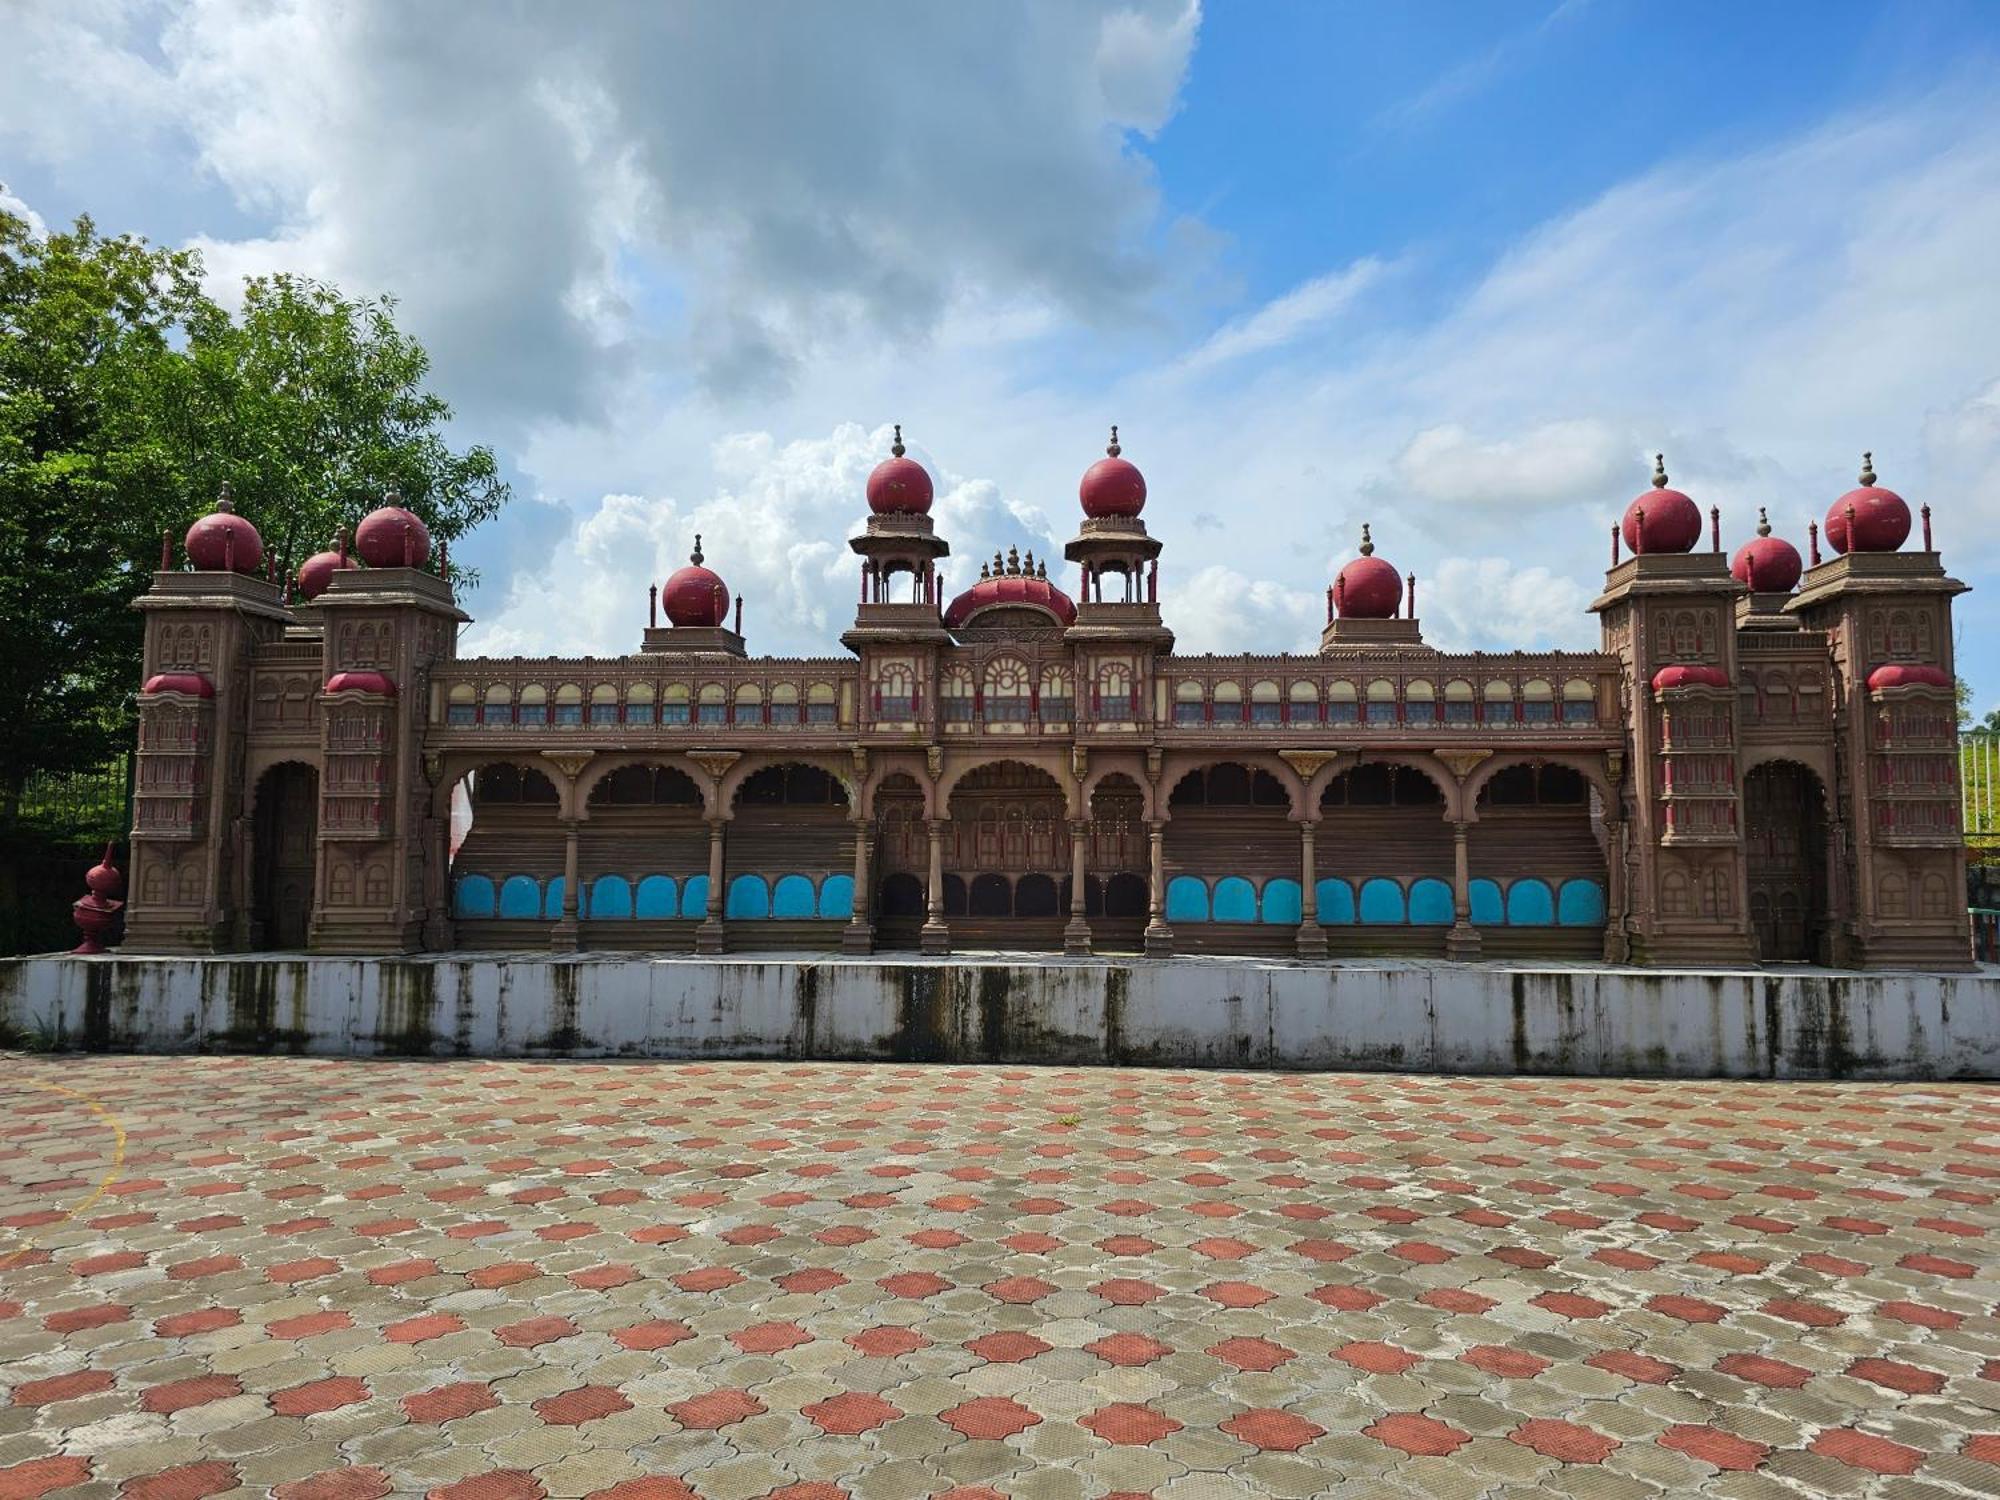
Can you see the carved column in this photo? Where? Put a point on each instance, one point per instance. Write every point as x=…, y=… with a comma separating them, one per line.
x=1076, y=936
x=1617, y=942
x=1312, y=936
x=1159, y=936
x=859, y=935
x=1463, y=939
x=567, y=934
x=1839, y=945
x=935, y=937
x=708, y=937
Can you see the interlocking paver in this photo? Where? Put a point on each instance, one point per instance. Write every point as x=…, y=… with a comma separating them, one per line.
x=336, y=1280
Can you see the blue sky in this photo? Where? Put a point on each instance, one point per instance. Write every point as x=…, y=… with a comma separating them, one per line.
x=1457, y=270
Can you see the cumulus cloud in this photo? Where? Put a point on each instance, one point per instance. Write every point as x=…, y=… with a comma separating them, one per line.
x=1306, y=309
x=1495, y=604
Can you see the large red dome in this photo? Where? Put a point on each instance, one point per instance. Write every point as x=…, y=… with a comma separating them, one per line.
x=1112, y=486
x=1881, y=518
x=1662, y=520
x=899, y=486
x=222, y=541
x=317, y=571
x=694, y=595
x=1767, y=564
x=393, y=537
x=1011, y=583
x=1367, y=588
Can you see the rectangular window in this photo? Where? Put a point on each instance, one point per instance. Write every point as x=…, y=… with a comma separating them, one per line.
x=897, y=708
x=569, y=713
x=1188, y=713
x=1006, y=710
x=1580, y=711
x=1058, y=710
x=1343, y=713
x=604, y=713
x=1538, y=711
x=1265, y=713
x=1457, y=712
x=673, y=713
x=1115, y=708
x=822, y=713
x=462, y=713
x=712, y=713
x=956, y=710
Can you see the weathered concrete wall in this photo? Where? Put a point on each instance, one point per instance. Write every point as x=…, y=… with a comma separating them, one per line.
x=1200, y=1012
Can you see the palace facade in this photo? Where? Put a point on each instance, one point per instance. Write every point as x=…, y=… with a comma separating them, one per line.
x=1759, y=764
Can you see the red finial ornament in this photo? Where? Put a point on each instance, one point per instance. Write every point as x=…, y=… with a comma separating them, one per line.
x=1926, y=512
x=96, y=915
x=1614, y=544
x=1812, y=537
x=1411, y=580
x=739, y=614
x=652, y=606
x=1715, y=528
x=166, y=551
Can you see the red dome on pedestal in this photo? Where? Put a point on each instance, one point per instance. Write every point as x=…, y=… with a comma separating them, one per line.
x=1112, y=486
x=1900, y=674
x=693, y=595
x=1768, y=564
x=393, y=537
x=317, y=571
x=1881, y=518
x=222, y=541
x=1011, y=583
x=1367, y=588
x=899, y=486
x=1662, y=520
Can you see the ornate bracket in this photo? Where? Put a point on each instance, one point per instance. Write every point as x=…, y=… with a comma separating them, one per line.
x=569, y=762
x=1309, y=763
x=715, y=763
x=1079, y=761
x=934, y=760
x=1614, y=766
x=1462, y=762
x=1155, y=759
x=433, y=769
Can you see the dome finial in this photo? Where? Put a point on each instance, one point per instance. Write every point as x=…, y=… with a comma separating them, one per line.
x=897, y=446
x=1659, y=471
x=1763, y=522
x=1112, y=447
x=1367, y=541
x=394, y=496
x=1867, y=468
x=225, y=499
x=695, y=557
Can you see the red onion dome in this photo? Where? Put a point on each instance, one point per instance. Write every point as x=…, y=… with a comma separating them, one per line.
x=899, y=486
x=1016, y=583
x=1662, y=520
x=1881, y=519
x=223, y=541
x=693, y=595
x=1367, y=588
x=1112, y=486
x=361, y=682
x=104, y=878
x=1768, y=564
x=317, y=571
x=1900, y=674
x=393, y=537
x=191, y=683
x=1689, y=676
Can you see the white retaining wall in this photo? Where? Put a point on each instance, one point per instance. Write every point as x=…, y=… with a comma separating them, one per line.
x=1192, y=1011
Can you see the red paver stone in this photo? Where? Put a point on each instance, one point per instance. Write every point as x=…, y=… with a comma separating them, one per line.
x=1570, y=1305
x=310, y=1269
x=811, y=1281
x=316, y=1396
x=423, y=1328
x=496, y=1484
x=989, y=1418
x=42, y=1476
x=206, y=1320
x=1811, y=1314
x=1280, y=1430
x=1897, y=1376
x=506, y=1273
x=769, y=1338
x=175, y=1395
x=1128, y=1349
x=530, y=1333
x=1861, y=1450
x=1687, y=1309
x=53, y=1388
x=1761, y=1369
x=1642, y=1368
x=1250, y=1354
x=661, y=1333
x=447, y=1403
x=1129, y=1425
x=914, y=1284
x=1237, y=1294
x=850, y=1412
x=1417, y=1434
x=585, y=1404
x=1564, y=1440
x=657, y=1487
x=708, y=1279
x=365, y=1483
x=1019, y=1289
x=886, y=1342
x=1126, y=1293
x=1007, y=1347
x=1723, y=1450
x=308, y=1325
x=603, y=1278
x=1516, y=1364
x=715, y=1409
x=76, y=1320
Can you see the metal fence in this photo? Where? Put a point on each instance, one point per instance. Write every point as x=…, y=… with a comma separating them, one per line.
x=92, y=804
x=1979, y=785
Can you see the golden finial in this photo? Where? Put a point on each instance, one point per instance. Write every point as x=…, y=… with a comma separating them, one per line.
x=1763, y=522
x=897, y=446
x=1867, y=468
x=695, y=558
x=985, y=570
x=225, y=499
x=1013, y=561
x=1367, y=542
x=1659, y=471
x=1112, y=448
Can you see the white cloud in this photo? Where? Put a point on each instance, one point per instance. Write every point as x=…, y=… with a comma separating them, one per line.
x=1495, y=604
x=1554, y=465
x=1306, y=309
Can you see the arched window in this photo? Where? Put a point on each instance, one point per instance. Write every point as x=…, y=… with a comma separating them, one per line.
x=1381, y=701
x=822, y=704
x=1303, y=704
x=1684, y=635
x=1006, y=691
x=1420, y=702
x=674, y=703
x=1499, y=703
x=956, y=696
x=785, y=704
x=1458, y=702
x=499, y=707
x=461, y=707
x=895, y=698
x=639, y=703
x=1342, y=703
x=569, y=704
x=1058, y=702
x=534, y=705
x=749, y=704
x=1188, y=705
x=1228, y=699
x=604, y=704
x=1115, y=695
x=711, y=707
x=1579, y=702
x=1538, y=702
x=1264, y=703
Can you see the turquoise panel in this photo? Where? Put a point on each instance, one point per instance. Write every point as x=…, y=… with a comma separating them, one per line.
x=552, y=902
x=1486, y=908
x=655, y=901
x=694, y=896
x=520, y=897
x=1335, y=899
x=610, y=896
x=1430, y=904
x=1529, y=904
x=1187, y=900
x=1235, y=900
x=472, y=896
x=1580, y=903
x=1382, y=901
x=748, y=898
x=792, y=896
x=836, y=896
x=1284, y=902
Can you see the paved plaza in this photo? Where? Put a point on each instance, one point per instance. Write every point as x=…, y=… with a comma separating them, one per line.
x=482, y=1280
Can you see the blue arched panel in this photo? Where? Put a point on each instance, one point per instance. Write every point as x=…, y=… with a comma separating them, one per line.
x=1382, y=901
x=836, y=897
x=1187, y=900
x=748, y=898
x=1284, y=903
x=1235, y=900
x=792, y=896
x=610, y=897
x=1487, y=910
x=552, y=902
x=694, y=896
x=1580, y=903
x=520, y=897
x=473, y=896
x=1529, y=904
x=655, y=900
x=1430, y=904
x=1335, y=899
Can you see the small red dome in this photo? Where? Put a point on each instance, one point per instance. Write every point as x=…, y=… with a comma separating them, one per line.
x=104, y=878
x=191, y=683
x=899, y=486
x=317, y=571
x=1367, y=588
x=1899, y=674
x=222, y=540
x=1881, y=518
x=1011, y=583
x=1112, y=486
x=1689, y=676
x=693, y=595
x=1768, y=564
x=361, y=682
x=393, y=537
x=1672, y=522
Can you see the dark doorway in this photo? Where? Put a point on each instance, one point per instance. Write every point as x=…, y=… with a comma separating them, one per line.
x=1784, y=825
x=285, y=839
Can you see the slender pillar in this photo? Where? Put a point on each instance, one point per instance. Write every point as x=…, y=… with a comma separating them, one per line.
x=708, y=938
x=1839, y=945
x=1463, y=939
x=1617, y=943
x=1312, y=936
x=1076, y=936
x=1159, y=936
x=567, y=935
x=859, y=936
x=935, y=937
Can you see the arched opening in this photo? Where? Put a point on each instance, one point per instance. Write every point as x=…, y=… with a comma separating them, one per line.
x=1536, y=857
x=1006, y=822
x=1229, y=843
x=901, y=861
x=1784, y=834
x=1115, y=858
x=285, y=839
x=1385, y=861
x=506, y=857
x=790, y=835
x=642, y=860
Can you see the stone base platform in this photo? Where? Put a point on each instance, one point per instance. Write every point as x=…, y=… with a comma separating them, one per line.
x=1182, y=1012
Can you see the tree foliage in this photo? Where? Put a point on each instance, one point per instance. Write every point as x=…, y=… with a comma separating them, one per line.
x=127, y=396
